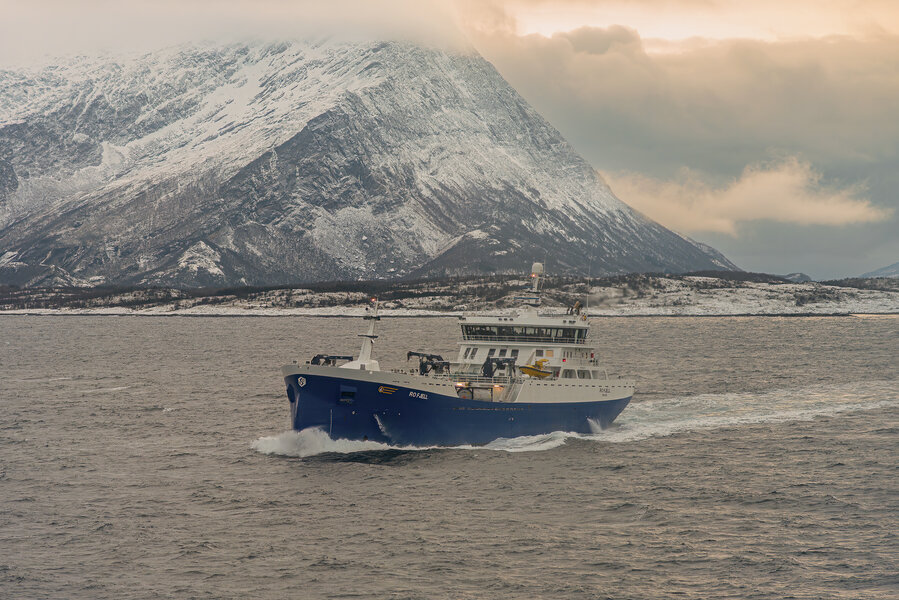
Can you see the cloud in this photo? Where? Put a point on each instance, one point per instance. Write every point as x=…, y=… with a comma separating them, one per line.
x=31, y=31
x=790, y=191
x=676, y=121
x=683, y=19
x=591, y=40
x=715, y=105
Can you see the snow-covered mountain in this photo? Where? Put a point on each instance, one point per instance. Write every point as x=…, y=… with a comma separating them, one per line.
x=265, y=163
x=797, y=277
x=889, y=271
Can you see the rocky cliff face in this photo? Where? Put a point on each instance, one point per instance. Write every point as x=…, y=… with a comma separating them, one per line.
x=289, y=162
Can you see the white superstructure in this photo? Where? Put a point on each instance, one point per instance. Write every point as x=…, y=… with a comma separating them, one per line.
x=559, y=342
x=543, y=358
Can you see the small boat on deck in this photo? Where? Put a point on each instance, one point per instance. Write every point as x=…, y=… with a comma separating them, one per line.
x=536, y=370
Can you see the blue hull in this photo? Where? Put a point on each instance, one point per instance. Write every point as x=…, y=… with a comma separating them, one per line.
x=361, y=410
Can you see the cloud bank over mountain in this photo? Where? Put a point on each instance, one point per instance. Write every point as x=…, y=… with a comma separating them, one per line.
x=805, y=109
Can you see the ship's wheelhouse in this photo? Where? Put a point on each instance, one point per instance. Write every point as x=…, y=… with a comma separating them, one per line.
x=551, y=334
x=527, y=339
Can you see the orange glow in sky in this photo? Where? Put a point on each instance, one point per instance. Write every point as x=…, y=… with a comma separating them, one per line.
x=721, y=19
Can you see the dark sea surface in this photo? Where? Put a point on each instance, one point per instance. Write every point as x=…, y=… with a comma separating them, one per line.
x=149, y=457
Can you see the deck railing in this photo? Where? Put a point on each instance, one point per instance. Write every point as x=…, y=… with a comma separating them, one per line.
x=500, y=380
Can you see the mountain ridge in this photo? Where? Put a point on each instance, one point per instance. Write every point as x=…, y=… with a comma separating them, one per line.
x=888, y=271
x=301, y=161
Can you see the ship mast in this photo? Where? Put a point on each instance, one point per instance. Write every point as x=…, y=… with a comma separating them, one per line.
x=365, y=361
x=371, y=315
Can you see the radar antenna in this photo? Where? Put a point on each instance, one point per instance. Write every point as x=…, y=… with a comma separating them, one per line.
x=536, y=275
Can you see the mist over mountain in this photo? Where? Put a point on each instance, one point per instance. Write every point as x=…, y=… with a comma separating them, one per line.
x=266, y=163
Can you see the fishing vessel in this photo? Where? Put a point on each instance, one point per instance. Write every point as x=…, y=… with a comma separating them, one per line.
x=521, y=374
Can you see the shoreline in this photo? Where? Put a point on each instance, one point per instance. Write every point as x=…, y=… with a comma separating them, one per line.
x=403, y=314
x=630, y=296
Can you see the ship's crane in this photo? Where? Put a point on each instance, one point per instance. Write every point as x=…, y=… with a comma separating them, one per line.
x=492, y=364
x=328, y=360
x=429, y=362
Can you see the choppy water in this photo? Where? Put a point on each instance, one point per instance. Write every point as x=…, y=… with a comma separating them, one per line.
x=148, y=458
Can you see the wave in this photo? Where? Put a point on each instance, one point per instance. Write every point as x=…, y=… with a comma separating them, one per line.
x=642, y=420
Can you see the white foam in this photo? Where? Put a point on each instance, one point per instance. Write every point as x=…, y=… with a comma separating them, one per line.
x=529, y=443
x=670, y=416
x=642, y=420
x=105, y=390
x=310, y=442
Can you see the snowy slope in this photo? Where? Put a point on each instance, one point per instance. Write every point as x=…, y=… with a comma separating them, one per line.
x=297, y=161
x=890, y=271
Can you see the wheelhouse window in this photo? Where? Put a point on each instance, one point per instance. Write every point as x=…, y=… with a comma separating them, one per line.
x=473, y=352
x=583, y=374
x=524, y=333
x=502, y=352
x=514, y=353
x=491, y=352
x=568, y=374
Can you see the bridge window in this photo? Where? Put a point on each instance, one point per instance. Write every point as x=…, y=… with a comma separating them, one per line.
x=514, y=353
x=473, y=352
x=502, y=352
x=519, y=332
x=491, y=352
x=568, y=374
x=583, y=374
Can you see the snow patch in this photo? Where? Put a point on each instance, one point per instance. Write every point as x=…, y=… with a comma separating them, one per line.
x=201, y=256
x=8, y=257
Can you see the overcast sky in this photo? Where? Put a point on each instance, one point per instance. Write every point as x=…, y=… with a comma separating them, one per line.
x=769, y=129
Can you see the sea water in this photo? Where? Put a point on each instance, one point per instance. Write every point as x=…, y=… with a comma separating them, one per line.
x=151, y=457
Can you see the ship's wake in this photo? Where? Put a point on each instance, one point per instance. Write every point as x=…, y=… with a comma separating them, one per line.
x=669, y=416
x=642, y=420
